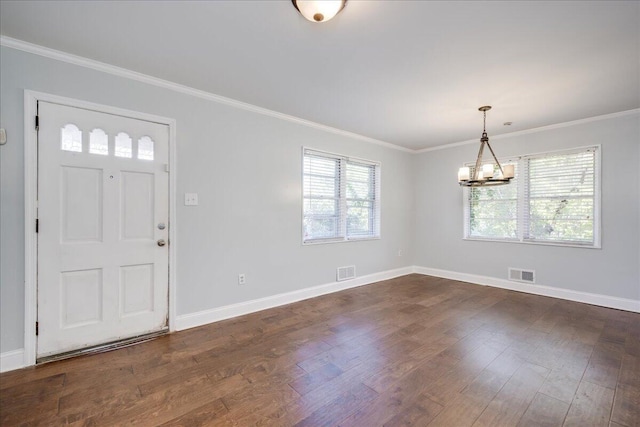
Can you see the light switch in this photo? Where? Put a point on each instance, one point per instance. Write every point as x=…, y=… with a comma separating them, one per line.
x=191, y=199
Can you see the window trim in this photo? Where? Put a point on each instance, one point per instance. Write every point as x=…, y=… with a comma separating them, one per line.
x=343, y=200
x=522, y=205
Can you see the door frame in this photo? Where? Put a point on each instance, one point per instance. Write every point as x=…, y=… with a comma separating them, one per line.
x=31, y=99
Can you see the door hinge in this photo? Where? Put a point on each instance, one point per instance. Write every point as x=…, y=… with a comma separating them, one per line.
x=37, y=122
x=37, y=328
x=37, y=225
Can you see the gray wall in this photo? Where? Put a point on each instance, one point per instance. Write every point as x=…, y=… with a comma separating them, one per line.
x=246, y=168
x=613, y=270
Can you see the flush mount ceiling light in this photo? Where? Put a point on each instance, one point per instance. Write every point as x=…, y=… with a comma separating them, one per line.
x=319, y=10
x=485, y=174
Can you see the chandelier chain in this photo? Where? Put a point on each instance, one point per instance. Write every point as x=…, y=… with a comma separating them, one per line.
x=484, y=121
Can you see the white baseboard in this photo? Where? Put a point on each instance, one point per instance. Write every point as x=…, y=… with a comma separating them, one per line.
x=549, y=291
x=14, y=359
x=204, y=317
x=11, y=360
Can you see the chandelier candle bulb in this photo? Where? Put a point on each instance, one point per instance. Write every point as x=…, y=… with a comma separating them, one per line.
x=463, y=174
x=487, y=170
x=481, y=175
x=508, y=171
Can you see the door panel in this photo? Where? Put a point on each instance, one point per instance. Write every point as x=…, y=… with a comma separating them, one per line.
x=81, y=200
x=102, y=191
x=136, y=290
x=138, y=206
x=80, y=298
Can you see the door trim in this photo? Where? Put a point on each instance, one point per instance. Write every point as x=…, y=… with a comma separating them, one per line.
x=31, y=99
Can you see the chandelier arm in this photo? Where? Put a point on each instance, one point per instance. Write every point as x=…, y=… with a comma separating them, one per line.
x=495, y=158
x=478, y=161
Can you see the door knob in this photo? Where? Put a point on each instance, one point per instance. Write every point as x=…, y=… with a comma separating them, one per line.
x=161, y=242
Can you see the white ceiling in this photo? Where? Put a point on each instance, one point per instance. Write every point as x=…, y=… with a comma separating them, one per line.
x=411, y=73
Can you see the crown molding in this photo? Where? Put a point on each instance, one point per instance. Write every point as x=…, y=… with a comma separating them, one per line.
x=534, y=130
x=176, y=87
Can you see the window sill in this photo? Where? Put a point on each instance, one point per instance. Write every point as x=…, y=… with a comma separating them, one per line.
x=328, y=241
x=535, y=242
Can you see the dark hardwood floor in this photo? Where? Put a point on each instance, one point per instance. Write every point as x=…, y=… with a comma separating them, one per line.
x=415, y=350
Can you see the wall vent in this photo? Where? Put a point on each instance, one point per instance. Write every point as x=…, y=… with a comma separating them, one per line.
x=520, y=275
x=346, y=273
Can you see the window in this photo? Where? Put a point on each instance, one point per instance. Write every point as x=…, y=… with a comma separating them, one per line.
x=123, y=145
x=554, y=198
x=145, y=148
x=341, y=198
x=71, y=138
x=493, y=211
x=98, y=142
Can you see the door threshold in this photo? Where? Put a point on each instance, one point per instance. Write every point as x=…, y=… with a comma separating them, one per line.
x=102, y=348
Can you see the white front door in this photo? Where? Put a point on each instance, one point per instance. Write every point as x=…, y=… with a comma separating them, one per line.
x=103, y=227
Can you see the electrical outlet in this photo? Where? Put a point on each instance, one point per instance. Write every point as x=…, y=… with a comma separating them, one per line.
x=242, y=279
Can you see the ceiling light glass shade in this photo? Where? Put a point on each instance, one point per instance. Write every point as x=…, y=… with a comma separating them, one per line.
x=486, y=174
x=319, y=10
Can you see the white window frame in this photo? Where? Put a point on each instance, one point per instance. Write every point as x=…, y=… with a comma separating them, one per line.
x=523, y=202
x=343, y=237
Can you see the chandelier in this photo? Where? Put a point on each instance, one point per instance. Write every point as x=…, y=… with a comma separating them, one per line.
x=486, y=174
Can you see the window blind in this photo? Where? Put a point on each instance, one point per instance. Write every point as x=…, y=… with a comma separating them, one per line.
x=361, y=186
x=340, y=197
x=561, y=197
x=554, y=198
